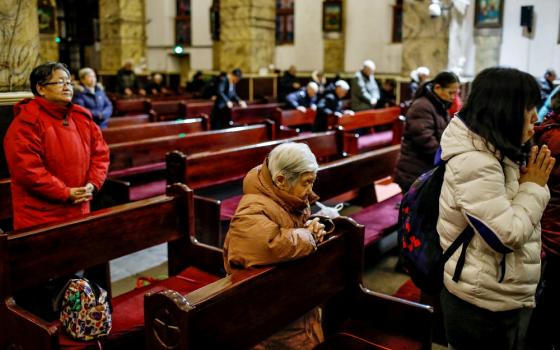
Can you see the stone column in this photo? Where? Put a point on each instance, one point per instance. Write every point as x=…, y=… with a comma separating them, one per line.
x=123, y=33
x=48, y=46
x=425, y=39
x=488, y=42
x=246, y=35
x=333, y=47
x=19, y=41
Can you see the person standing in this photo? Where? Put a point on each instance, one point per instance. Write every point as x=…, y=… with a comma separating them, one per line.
x=425, y=121
x=225, y=97
x=56, y=154
x=365, y=92
x=91, y=95
x=492, y=185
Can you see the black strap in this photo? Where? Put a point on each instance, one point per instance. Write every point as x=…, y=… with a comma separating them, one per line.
x=503, y=269
x=463, y=240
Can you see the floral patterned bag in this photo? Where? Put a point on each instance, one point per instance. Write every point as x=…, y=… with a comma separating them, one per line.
x=85, y=312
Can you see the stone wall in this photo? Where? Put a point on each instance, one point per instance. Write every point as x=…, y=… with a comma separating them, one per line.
x=246, y=35
x=19, y=40
x=122, y=31
x=48, y=46
x=425, y=39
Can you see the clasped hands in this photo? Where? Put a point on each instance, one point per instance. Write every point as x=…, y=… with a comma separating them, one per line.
x=317, y=229
x=81, y=194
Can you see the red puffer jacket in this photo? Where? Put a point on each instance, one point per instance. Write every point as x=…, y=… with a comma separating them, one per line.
x=549, y=133
x=49, y=149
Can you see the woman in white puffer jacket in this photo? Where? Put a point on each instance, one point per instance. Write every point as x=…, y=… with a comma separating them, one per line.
x=487, y=185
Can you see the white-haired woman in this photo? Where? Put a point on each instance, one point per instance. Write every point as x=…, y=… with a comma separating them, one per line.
x=91, y=95
x=417, y=78
x=269, y=227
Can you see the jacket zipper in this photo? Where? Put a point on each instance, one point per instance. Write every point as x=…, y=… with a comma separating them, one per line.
x=65, y=122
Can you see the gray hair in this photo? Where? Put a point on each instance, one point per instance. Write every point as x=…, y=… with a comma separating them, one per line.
x=85, y=71
x=291, y=160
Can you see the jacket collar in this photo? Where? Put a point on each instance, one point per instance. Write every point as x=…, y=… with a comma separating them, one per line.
x=54, y=110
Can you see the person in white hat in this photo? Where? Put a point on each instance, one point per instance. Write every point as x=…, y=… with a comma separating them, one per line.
x=365, y=92
x=418, y=76
x=330, y=104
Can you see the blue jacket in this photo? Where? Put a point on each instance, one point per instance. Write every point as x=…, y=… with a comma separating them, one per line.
x=300, y=98
x=99, y=105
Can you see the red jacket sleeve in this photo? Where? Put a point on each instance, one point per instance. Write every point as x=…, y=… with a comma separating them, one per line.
x=99, y=161
x=24, y=154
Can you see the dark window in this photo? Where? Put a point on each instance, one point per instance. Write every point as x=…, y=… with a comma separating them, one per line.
x=397, y=21
x=284, y=22
x=183, y=23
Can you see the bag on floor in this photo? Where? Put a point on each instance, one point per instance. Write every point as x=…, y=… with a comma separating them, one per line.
x=421, y=254
x=85, y=311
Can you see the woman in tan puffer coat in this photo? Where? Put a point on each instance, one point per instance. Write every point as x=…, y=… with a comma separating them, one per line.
x=487, y=186
x=270, y=226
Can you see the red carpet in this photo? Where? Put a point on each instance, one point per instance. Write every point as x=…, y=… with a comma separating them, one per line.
x=408, y=291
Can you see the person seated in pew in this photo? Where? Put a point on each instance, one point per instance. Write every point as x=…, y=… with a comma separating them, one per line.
x=91, y=95
x=303, y=98
x=226, y=95
x=196, y=85
x=55, y=152
x=288, y=83
x=387, y=94
x=330, y=104
x=127, y=81
x=365, y=92
x=418, y=77
x=155, y=87
x=318, y=77
x=271, y=225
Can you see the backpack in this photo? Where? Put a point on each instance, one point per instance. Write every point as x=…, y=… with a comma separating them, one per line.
x=420, y=252
x=85, y=312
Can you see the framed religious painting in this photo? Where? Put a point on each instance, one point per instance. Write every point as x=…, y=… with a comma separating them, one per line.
x=332, y=16
x=46, y=14
x=488, y=13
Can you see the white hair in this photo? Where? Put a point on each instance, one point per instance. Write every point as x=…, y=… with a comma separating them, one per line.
x=369, y=64
x=420, y=70
x=85, y=71
x=291, y=160
x=343, y=84
x=313, y=85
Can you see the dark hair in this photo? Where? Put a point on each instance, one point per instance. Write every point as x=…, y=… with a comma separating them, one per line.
x=496, y=107
x=444, y=79
x=549, y=72
x=43, y=73
x=237, y=72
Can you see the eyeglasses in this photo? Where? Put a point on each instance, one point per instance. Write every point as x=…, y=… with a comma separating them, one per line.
x=60, y=83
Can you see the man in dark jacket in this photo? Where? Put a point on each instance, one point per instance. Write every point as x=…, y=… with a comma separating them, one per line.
x=288, y=84
x=546, y=84
x=303, y=98
x=92, y=96
x=127, y=81
x=330, y=104
x=225, y=97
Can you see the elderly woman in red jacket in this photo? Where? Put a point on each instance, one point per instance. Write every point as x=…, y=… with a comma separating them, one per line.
x=56, y=154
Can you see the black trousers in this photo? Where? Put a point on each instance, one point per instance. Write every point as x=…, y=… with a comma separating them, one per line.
x=220, y=118
x=470, y=327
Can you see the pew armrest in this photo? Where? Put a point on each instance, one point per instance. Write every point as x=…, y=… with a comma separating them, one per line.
x=391, y=315
x=351, y=143
x=38, y=334
x=207, y=219
x=285, y=132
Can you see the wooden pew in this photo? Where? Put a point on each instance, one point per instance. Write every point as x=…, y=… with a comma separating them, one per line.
x=254, y=113
x=126, y=121
x=134, y=106
x=359, y=172
x=386, y=125
x=6, y=211
x=169, y=110
x=294, y=119
x=137, y=168
x=229, y=166
x=152, y=130
x=32, y=257
x=196, y=108
x=243, y=309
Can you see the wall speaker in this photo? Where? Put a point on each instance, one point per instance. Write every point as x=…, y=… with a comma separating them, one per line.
x=527, y=17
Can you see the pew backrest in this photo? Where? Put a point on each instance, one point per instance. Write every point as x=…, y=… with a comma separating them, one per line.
x=134, y=106
x=365, y=119
x=128, y=120
x=253, y=113
x=149, y=151
x=214, y=168
x=294, y=117
x=196, y=108
x=169, y=110
x=152, y=130
x=6, y=211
